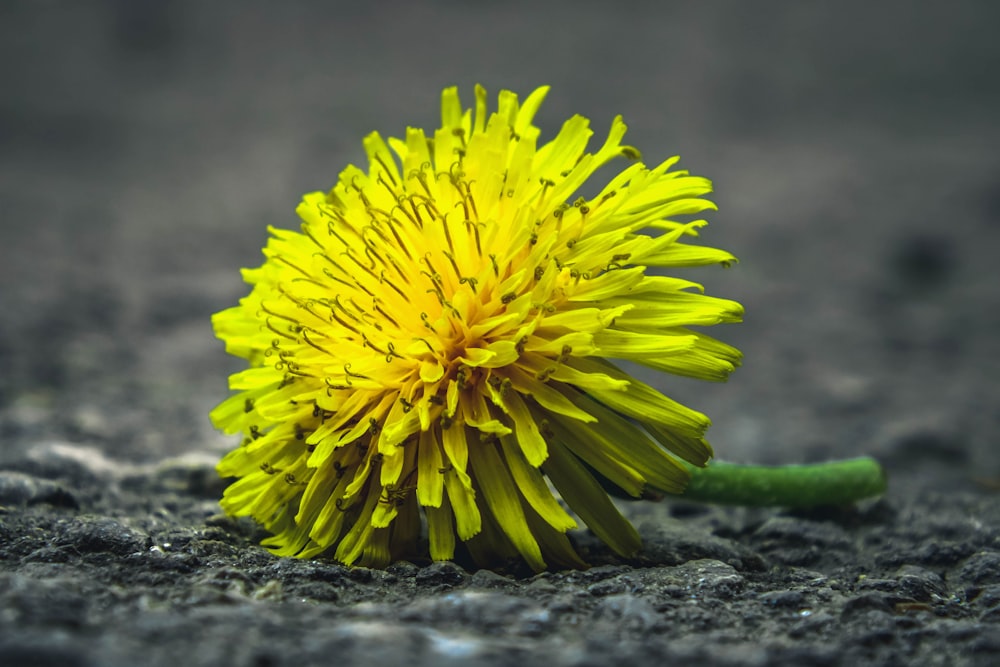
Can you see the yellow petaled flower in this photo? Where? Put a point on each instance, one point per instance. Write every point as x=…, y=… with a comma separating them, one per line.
x=430, y=353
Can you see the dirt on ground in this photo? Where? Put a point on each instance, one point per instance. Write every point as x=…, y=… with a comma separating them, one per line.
x=145, y=147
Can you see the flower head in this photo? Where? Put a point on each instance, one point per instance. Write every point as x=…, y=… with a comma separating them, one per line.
x=430, y=353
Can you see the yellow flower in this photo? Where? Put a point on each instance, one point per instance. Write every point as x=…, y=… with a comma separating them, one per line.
x=429, y=353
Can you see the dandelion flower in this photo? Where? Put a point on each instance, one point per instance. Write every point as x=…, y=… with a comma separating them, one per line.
x=429, y=356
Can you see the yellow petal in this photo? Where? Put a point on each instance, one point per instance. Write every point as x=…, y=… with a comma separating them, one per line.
x=625, y=441
x=586, y=497
x=329, y=523
x=594, y=450
x=545, y=395
x=441, y=531
x=629, y=345
x=430, y=476
x=462, y=499
x=476, y=356
x=431, y=371
x=526, y=430
x=456, y=450
x=642, y=402
x=532, y=485
x=353, y=544
x=503, y=499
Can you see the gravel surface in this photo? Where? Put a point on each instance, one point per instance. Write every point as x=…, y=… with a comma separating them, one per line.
x=144, y=147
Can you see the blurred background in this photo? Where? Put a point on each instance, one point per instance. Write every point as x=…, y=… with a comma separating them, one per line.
x=145, y=146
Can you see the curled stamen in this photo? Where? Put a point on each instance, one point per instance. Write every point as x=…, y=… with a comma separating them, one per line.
x=385, y=169
x=297, y=371
x=264, y=308
x=287, y=262
x=331, y=387
x=447, y=233
x=311, y=343
x=343, y=322
x=468, y=201
x=338, y=267
x=421, y=177
x=399, y=206
x=462, y=202
x=391, y=353
x=631, y=152
x=436, y=290
x=391, y=224
x=363, y=288
x=267, y=323
x=348, y=373
x=544, y=375
x=386, y=315
x=367, y=343
x=373, y=229
x=332, y=231
x=454, y=264
x=367, y=269
x=474, y=224
x=546, y=184
x=364, y=199
x=427, y=343
x=564, y=354
x=427, y=202
x=322, y=414
x=307, y=230
x=434, y=274
x=383, y=280
x=343, y=309
x=329, y=274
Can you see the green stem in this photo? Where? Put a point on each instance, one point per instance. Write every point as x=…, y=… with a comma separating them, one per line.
x=834, y=483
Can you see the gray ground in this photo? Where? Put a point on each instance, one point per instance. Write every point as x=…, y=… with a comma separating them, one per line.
x=145, y=146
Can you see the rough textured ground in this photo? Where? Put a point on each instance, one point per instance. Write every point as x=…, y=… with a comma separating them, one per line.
x=144, y=147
